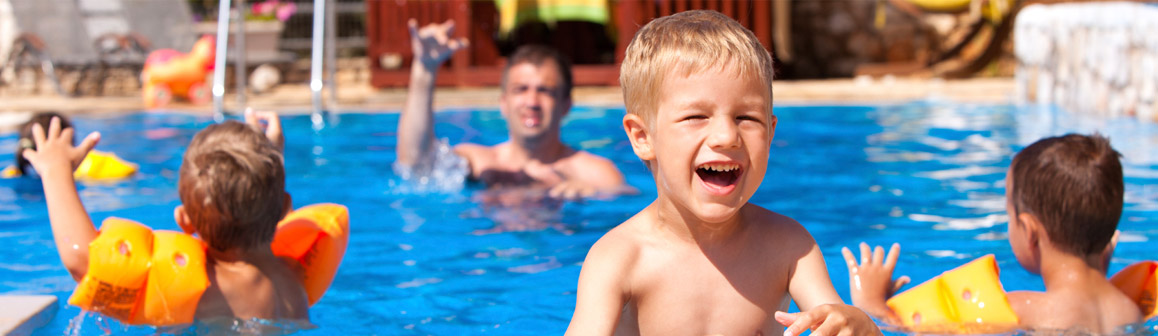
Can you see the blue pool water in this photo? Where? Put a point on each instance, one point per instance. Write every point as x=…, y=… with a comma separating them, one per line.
x=450, y=262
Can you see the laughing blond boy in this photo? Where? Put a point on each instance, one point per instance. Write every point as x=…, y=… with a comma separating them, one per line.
x=701, y=260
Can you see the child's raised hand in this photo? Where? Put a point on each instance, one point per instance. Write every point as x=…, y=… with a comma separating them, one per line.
x=54, y=150
x=432, y=44
x=871, y=281
x=829, y=319
x=269, y=123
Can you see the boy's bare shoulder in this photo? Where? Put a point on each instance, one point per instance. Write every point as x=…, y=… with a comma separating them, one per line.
x=766, y=225
x=624, y=240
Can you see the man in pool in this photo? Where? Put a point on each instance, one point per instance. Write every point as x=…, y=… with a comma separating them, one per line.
x=1064, y=200
x=534, y=98
x=701, y=259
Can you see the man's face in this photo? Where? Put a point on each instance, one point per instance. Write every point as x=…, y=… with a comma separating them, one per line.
x=711, y=140
x=533, y=100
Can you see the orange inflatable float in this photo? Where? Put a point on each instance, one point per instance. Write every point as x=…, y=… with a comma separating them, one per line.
x=1140, y=282
x=170, y=73
x=141, y=276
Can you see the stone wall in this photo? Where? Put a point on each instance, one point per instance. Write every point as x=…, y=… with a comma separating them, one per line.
x=831, y=38
x=1095, y=58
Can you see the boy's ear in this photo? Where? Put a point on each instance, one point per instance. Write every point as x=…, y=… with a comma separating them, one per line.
x=640, y=138
x=182, y=220
x=1033, y=229
x=287, y=206
x=772, y=127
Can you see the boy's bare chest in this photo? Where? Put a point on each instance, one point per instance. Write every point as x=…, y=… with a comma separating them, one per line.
x=690, y=293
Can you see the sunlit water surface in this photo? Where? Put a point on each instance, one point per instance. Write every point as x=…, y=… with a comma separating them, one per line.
x=450, y=261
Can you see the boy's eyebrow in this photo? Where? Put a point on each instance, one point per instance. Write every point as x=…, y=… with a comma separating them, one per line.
x=754, y=102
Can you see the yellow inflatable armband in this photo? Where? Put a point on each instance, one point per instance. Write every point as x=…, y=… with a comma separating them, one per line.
x=99, y=165
x=10, y=172
x=1139, y=281
x=143, y=277
x=315, y=236
x=964, y=299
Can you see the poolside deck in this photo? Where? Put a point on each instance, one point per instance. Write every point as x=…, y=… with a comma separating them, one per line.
x=21, y=314
x=361, y=97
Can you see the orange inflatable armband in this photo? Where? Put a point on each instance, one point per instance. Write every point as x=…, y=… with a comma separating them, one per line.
x=1139, y=281
x=141, y=277
x=315, y=236
x=967, y=298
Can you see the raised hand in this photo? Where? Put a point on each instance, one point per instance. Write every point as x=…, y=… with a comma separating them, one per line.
x=870, y=281
x=432, y=44
x=269, y=123
x=54, y=151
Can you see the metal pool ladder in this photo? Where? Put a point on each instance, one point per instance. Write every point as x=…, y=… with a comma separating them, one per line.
x=323, y=29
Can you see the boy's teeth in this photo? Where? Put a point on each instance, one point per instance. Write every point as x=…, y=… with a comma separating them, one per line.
x=721, y=167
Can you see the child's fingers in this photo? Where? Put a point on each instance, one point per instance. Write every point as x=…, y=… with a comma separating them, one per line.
x=67, y=133
x=89, y=141
x=37, y=135
x=800, y=322
x=785, y=319
x=849, y=258
x=865, y=253
x=54, y=128
x=891, y=259
x=878, y=255
x=900, y=283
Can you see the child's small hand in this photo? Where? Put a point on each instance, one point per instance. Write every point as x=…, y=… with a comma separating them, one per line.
x=871, y=282
x=271, y=127
x=54, y=150
x=829, y=319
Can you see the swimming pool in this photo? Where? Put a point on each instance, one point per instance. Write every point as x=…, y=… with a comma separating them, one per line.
x=453, y=261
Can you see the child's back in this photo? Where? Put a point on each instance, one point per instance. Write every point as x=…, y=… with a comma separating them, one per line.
x=1064, y=199
x=232, y=186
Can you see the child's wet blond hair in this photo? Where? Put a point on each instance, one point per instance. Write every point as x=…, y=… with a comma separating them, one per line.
x=685, y=43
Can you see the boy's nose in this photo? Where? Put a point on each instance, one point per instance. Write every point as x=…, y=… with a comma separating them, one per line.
x=723, y=134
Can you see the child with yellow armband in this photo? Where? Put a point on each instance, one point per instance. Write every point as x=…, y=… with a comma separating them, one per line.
x=95, y=166
x=232, y=187
x=1064, y=198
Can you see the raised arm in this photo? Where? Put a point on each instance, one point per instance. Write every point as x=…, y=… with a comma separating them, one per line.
x=821, y=309
x=601, y=294
x=55, y=159
x=432, y=45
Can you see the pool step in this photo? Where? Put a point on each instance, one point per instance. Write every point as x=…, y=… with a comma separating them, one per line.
x=22, y=314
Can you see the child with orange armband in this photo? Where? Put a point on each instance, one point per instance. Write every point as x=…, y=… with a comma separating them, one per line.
x=231, y=186
x=1064, y=198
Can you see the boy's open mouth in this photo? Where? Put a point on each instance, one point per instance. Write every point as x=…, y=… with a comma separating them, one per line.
x=719, y=177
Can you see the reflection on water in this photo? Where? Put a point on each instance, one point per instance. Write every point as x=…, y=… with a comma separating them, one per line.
x=85, y=323
x=467, y=260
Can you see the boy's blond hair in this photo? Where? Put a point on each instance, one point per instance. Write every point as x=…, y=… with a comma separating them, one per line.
x=688, y=42
x=232, y=185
